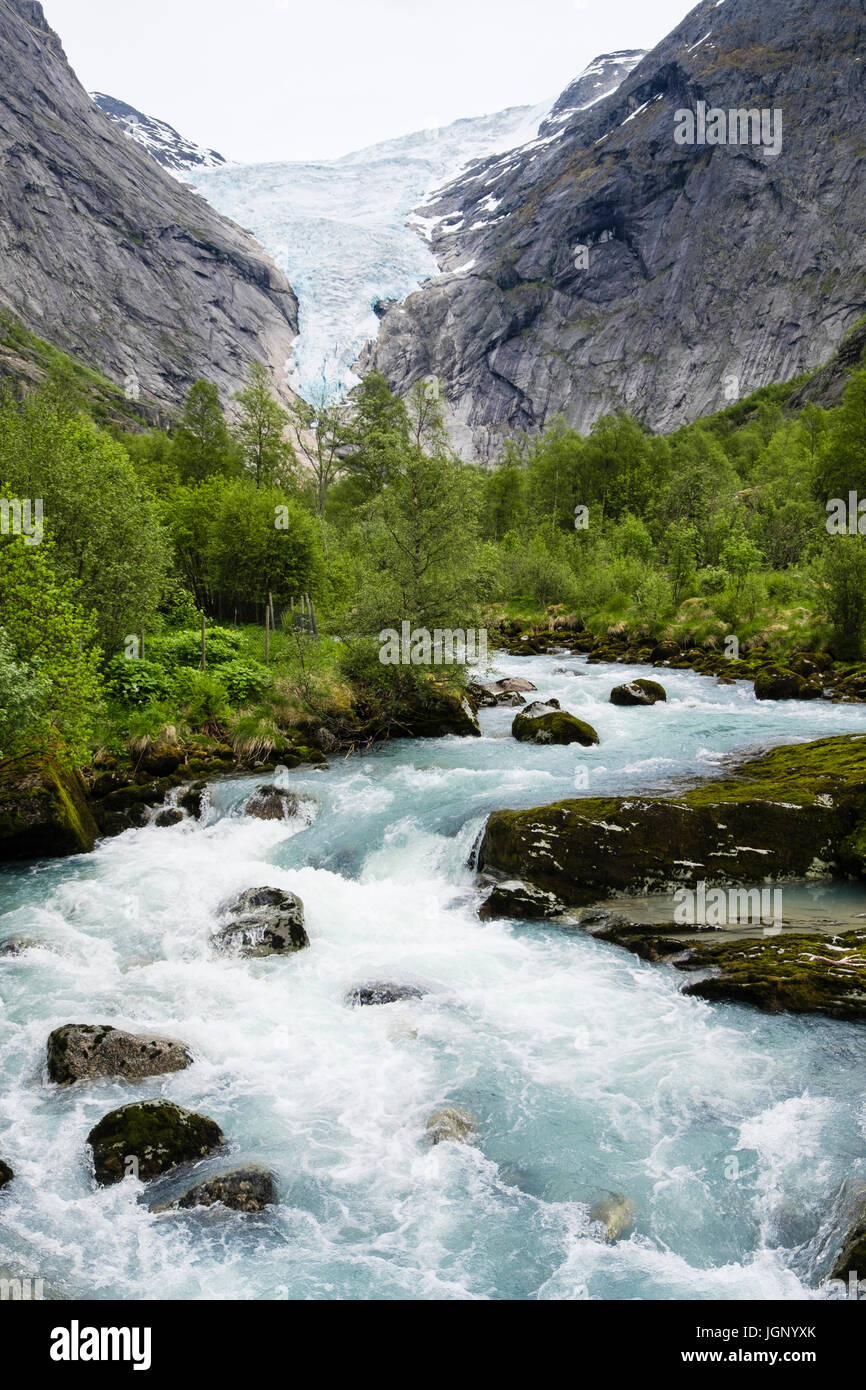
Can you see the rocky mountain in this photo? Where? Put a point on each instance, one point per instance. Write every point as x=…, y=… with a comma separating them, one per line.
x=106, y=255
x=345, y=232
x=627, y=259
x=160, y=139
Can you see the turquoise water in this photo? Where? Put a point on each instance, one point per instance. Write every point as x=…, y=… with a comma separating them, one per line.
x=735, y=1134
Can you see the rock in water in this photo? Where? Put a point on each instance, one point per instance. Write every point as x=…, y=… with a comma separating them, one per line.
x=264, y=922
x=453, y=1125
x=249, y=1189
x=170, y=816
x=270, y=803
x=6, y=1174
x=81, y=1051
x=516, y=683
x=613, y=1217
x=776, y=683
x=382, y=993
x=639, y=692
x=516, y=899
x=552, y=727
x=156, y=1134
x=852, y=1256
x=540, y=707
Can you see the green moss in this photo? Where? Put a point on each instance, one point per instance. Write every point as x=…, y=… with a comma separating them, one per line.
x=157, y=1134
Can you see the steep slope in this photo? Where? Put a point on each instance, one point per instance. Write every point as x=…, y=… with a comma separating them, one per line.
x=342, y=231
x=107, y=256
x=160, y=139
x=705, y=262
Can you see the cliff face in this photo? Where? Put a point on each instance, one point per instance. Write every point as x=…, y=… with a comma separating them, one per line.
x=709, y=268
x=107, y=256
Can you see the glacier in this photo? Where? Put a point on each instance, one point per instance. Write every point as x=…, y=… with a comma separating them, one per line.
x=350, y=233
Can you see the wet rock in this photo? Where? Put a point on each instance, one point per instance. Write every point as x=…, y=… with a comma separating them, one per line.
x=271, y=803
x=170, y=816
x=515, y=899
x=852, y=1257
x=452, y=1124
x=539, y=707
x=192, y=799
x=82, y=1051
x=248, y=1189
x=808, y=973
x=6, y=1174
x=638, y=692
x=486, y=696
x=382, y=992
x=44, y=812
x=775, y=683
x=161, y=759
x=553, y=726
x=149, y=1137
x=263, y=922
x=516, y=683
x=783, y=815
x=438, y=714
x=613, y=1217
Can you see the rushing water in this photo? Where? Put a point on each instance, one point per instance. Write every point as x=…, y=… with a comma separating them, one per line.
x=734, y=1133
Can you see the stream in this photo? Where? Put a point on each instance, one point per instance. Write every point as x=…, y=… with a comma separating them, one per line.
x=734, y=1133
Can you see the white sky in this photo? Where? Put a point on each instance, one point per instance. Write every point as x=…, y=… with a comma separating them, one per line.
x=288, y=79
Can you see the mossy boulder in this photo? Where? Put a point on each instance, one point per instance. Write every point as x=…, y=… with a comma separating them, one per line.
x=638, y=692
x=776, y=683
x=250, y=1189
x=808, y=973
x=168, y=817
x=554, y=727
x=84, y=1051
x=452, y=1124
x=43, y=810
x=665, y=651
x=263, y=922
x=6, y=1174
x=793, y=813
x=436, y=713
x=521, y=900
x=156, y=1134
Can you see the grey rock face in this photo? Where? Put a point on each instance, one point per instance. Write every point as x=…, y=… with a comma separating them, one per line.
x=263, y=922
x=106, y=255
x=706, y=263
x=248, y=1189
x=82, y=1051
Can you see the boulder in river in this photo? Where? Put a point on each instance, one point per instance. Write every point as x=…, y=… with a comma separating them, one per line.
x=516, y=899
x=516, y=684
x=452, y=1124
x=6, y=1174
x=248, y=1189
x=382, y=992
x=638, y=692
x=852, y=1257
x=262, y=922
x=780, y=816
x=486, y=696
x=554, y=726
x=169, y=816
x=82, y=1051
x=149, y=1137
x=776, y=683
x=44, y=812
x=271, y=803
x=192, y=799
x=612, y=1217
x=539, y=707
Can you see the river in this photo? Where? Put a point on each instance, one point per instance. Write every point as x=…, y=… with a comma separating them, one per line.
x=589, y=1072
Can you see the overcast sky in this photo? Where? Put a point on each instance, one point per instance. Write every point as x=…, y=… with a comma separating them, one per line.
x=282, y=79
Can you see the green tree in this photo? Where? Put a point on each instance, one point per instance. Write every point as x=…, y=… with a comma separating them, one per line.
x=261, y=431
x=202, y=445
x=841, y=571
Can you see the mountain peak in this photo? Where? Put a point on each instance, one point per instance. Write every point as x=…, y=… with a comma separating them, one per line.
x=160, y=139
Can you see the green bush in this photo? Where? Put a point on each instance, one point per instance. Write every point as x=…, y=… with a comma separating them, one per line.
x=181, y=649
x=204, y=698
x=135, y=683
x=245, y=681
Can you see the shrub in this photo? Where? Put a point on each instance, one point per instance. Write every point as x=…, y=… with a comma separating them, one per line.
x=136, y=683
x=245, y=681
